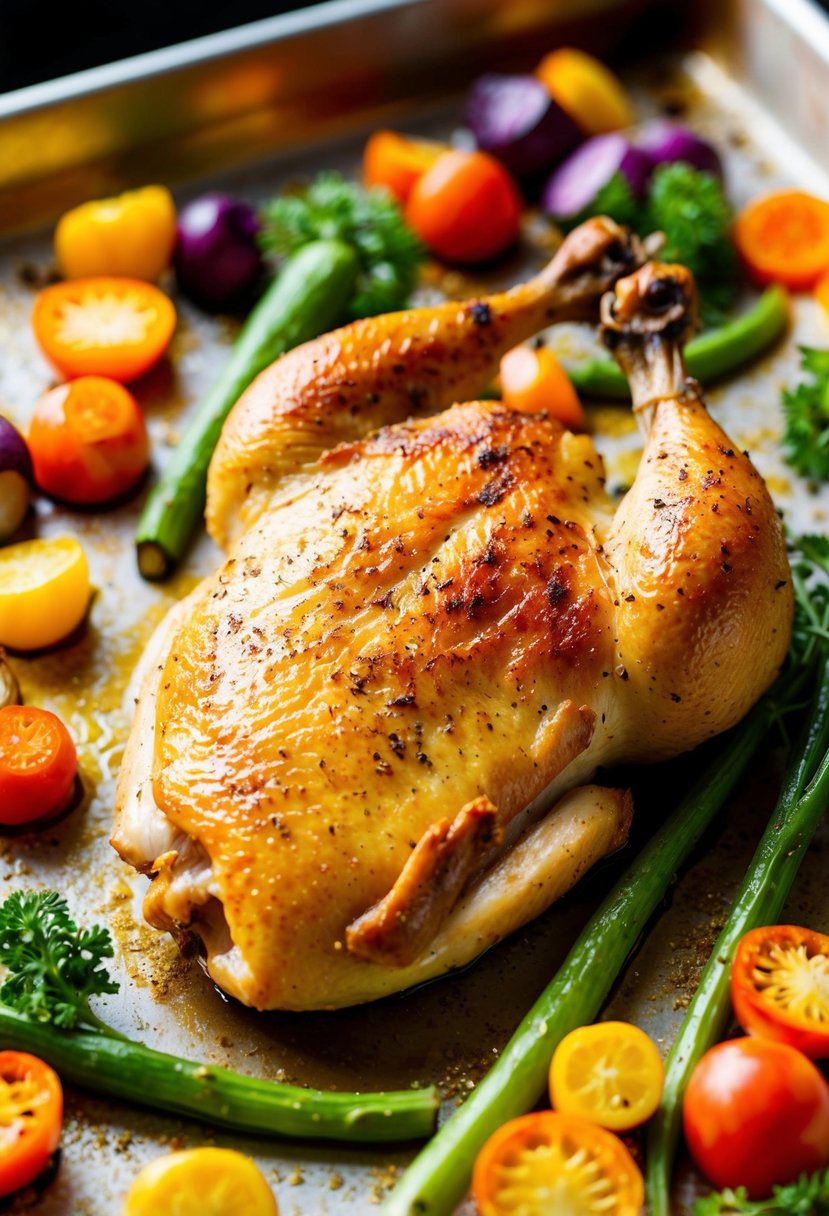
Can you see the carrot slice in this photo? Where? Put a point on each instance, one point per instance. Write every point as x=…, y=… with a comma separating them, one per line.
x=533, y=381
x=396, y=162
x=783, y=237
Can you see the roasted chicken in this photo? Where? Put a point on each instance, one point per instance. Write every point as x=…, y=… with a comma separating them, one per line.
x=363, y=748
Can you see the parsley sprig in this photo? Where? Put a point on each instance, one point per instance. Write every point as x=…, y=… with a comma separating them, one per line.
x=809, y=1196
x=806, y=410
x=369, y=220
x=53, y=967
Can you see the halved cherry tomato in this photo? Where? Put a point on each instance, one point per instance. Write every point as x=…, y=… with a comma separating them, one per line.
x=132, y=234
x=111, y=327
x=466, y=207
x=31, y=1113
x=548, y=1163
x=783, y=237
x=38, y=765
x=44, y=592
x=610, y=1073
x=88, y=441
x=780, y=987
x=583, y=86
x=533, y=381
x=756, y=1114
x=201, y=1182
x=396, y=162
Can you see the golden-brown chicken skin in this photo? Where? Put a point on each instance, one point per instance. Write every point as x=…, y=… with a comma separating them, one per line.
x=348, y=737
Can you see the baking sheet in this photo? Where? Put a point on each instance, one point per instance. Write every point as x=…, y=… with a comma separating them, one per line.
x=450, y=1031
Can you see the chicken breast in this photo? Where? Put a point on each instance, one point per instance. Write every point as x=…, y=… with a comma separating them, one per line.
x=350, y=737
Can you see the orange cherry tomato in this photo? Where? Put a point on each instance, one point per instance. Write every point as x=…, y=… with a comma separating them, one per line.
x=780, y=987
x=102, y=326
x=756, y=1115
x=783, y=237
x=549, y=1162
x=396, y=162
x=31, y=1113
x=38, y=765
x=88, y=441
x=534, y=382
x=583, y=86
x=822, y=292
x=466, y=207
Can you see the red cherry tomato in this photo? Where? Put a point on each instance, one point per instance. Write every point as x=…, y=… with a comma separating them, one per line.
x=466, y=207
x=88, y=441
x=38, y=765
x=756, y=1114
x=31, y=1112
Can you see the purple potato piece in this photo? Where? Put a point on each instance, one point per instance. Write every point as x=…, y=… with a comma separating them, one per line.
x=666, y=142
x=515, y=119
x=217, y=258
x=576, y=182
x=16, y=479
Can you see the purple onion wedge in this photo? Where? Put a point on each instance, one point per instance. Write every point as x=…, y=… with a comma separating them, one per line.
x=16, y=479
x=575, y=184
x=515, y=119
x=666, y=142
x=217, y=258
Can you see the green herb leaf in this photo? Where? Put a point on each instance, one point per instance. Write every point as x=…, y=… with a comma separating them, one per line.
x=809, y=1196
x=53, y=967
x=368, y=220
x=806, y=410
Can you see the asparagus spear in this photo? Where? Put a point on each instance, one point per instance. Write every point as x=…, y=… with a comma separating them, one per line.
x=439, y=1176
x=347, y=253
x=53, y=968
x=766, y=884
x=708, y=356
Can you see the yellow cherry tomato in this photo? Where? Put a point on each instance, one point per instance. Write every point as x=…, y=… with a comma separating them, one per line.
x=590, y=93
x=610, y=1073
x=132, y=235
x=44, y=592
x=201, y=1182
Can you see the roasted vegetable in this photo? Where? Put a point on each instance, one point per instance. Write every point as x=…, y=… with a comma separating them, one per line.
x=217, y=258
x=131, y=236
x=665, y=143
x=347, y=252
x=16, y=479
x=31, y=1101
x=587, y=90
x=708, y=356
x=465, y=207
x=201, y=1182
x=783, y=237
x=52, y=970
x=773, y=868
x=38, y=765
x=588, y=181
x=516, y=119
x=44, y=592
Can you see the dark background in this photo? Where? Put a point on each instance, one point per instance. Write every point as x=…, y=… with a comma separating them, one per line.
x=43, y=39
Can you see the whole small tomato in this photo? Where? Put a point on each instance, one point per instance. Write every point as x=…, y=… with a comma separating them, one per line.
x=465, y=207
x=88, y=441
x=756, y=1114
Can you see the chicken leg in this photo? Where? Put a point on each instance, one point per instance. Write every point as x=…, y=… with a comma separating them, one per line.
x=355, y=380
x=364, y=747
